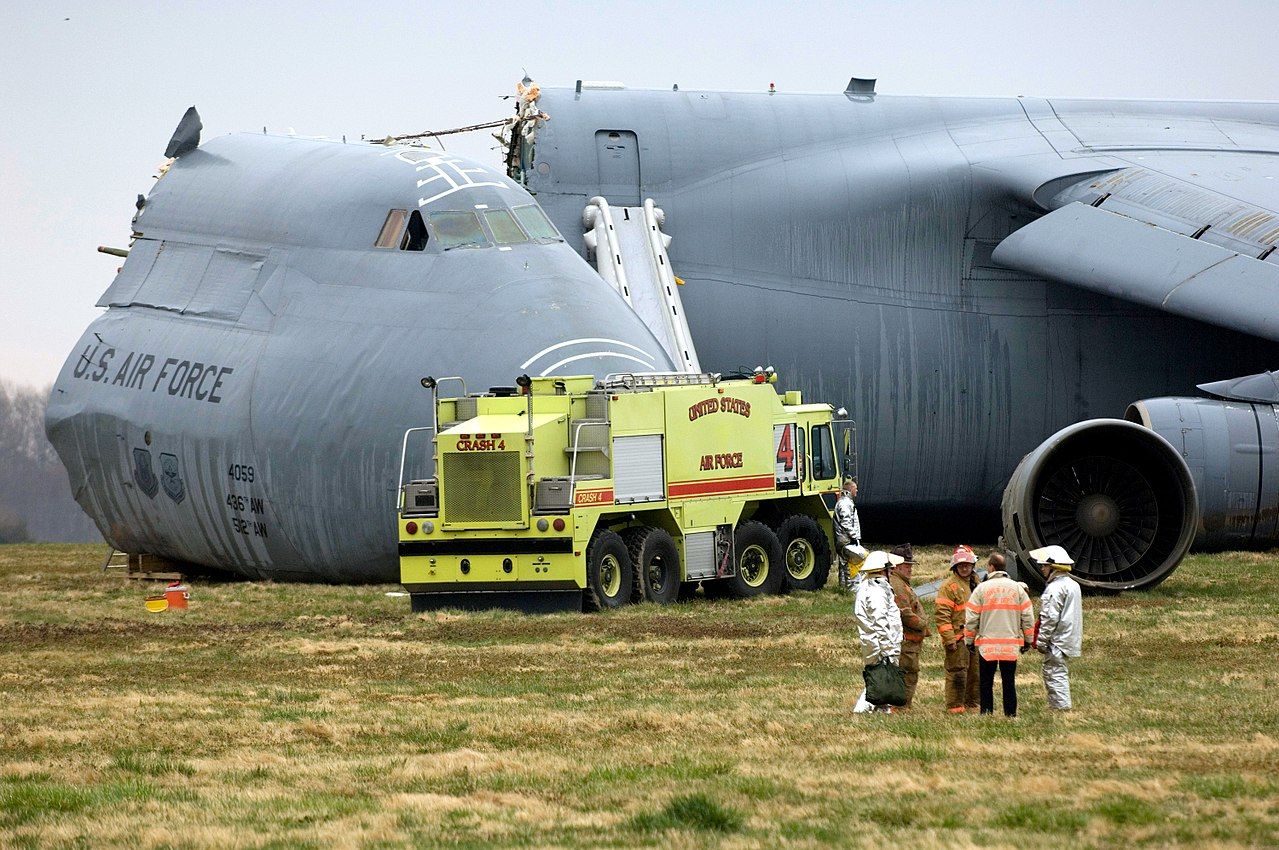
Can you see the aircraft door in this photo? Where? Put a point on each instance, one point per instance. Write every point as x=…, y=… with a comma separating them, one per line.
x=617, y=154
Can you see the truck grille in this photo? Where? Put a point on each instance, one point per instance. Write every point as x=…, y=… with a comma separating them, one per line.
x=482, y=487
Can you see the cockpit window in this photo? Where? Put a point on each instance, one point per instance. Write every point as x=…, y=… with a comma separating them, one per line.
x=416, y=236
x=535, y=222
x=504, y=229
x=460, y=229
x=390, y=234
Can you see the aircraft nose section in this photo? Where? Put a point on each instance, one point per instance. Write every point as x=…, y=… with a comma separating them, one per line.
x=570, y=326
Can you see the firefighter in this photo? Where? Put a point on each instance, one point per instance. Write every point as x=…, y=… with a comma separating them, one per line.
x=952, y=603
x=1059, y=634
x=914, y=620
x=879, y=622
x=998, y=627
x=848, y=533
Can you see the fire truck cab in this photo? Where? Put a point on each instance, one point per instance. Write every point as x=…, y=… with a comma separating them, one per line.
x=564, y=492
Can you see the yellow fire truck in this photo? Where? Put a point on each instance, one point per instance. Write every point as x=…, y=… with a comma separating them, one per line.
x=564, y=491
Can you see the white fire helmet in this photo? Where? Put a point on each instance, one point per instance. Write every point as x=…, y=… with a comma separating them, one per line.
x=880, y=561
x=856, y=553
x=1052, y=556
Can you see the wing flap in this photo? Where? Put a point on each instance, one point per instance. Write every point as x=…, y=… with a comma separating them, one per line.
x=1118, y=256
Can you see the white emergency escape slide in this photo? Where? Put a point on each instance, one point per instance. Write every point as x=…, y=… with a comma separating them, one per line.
x=630, y=253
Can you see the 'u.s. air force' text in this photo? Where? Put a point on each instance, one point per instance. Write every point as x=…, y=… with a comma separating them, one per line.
x=136, y=371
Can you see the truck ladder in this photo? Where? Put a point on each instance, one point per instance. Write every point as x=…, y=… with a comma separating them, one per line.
x=630, y=253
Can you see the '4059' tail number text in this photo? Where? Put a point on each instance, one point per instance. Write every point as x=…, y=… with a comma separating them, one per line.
x=240, y=472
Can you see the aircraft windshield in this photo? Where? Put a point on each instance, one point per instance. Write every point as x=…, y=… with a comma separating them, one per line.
x=458, y=229
x=504, y=229
x=535, y=222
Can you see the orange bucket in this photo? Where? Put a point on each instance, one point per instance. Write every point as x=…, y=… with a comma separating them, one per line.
x=177, y=595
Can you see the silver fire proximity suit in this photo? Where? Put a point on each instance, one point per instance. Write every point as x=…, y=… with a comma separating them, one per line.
x=848, y=530
x=1060, y=635
x=879, y=626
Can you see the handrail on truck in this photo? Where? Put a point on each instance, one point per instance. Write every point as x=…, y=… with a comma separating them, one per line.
x=572, y=468
x=404, y=450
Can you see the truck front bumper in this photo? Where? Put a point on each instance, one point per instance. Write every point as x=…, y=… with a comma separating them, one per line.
x=523, y=574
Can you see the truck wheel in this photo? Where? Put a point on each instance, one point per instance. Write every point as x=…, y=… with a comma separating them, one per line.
x=759, y=561
x=655, y=560
x=806, y=552
x=609, y=577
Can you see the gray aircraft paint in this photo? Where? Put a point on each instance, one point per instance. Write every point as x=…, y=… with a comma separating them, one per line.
x=256, y=257
x=849, y=240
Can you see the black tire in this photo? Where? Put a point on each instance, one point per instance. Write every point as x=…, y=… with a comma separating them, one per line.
x=805, y=552
x=758, y=558
x=655, y=560
x=609, y=576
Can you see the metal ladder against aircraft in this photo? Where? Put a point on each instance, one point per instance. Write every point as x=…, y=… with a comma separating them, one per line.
x=630, y=253
x=139, y=566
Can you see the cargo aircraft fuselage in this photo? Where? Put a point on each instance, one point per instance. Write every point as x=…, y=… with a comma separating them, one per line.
x=927, y=263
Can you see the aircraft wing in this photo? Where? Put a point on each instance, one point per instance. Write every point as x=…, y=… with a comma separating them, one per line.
x=1195, y=251
x=1116, y=255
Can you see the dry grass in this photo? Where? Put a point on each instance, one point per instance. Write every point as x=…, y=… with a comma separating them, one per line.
x=274, y=715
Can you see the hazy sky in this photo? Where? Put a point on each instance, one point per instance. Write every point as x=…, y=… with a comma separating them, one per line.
x=90, y=92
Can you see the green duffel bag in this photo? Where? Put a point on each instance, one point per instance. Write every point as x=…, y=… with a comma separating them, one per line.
x=885, y=684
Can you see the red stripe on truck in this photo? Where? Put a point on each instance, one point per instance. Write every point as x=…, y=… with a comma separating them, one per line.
x=715, y=486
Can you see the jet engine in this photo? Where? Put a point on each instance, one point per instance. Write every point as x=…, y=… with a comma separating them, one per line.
x=1117, y=495
x=1128, y=498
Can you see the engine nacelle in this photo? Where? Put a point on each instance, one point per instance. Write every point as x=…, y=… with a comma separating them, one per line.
x=1118, y=496
x=1231, y=448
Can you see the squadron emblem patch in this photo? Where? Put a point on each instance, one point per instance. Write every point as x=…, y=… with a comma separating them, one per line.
x=171, y=479
x=143, y=474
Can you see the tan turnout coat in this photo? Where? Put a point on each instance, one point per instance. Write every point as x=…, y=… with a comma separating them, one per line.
x=999, y=619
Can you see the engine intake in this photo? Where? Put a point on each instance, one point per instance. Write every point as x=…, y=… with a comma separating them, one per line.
x=1118, y=496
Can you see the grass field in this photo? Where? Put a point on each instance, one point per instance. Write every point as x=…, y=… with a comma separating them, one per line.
x=281, y=716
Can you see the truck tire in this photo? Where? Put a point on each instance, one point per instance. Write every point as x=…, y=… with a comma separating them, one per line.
x=758, y=555
x=655, y=559
x=805, y=551
x=609, y=576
